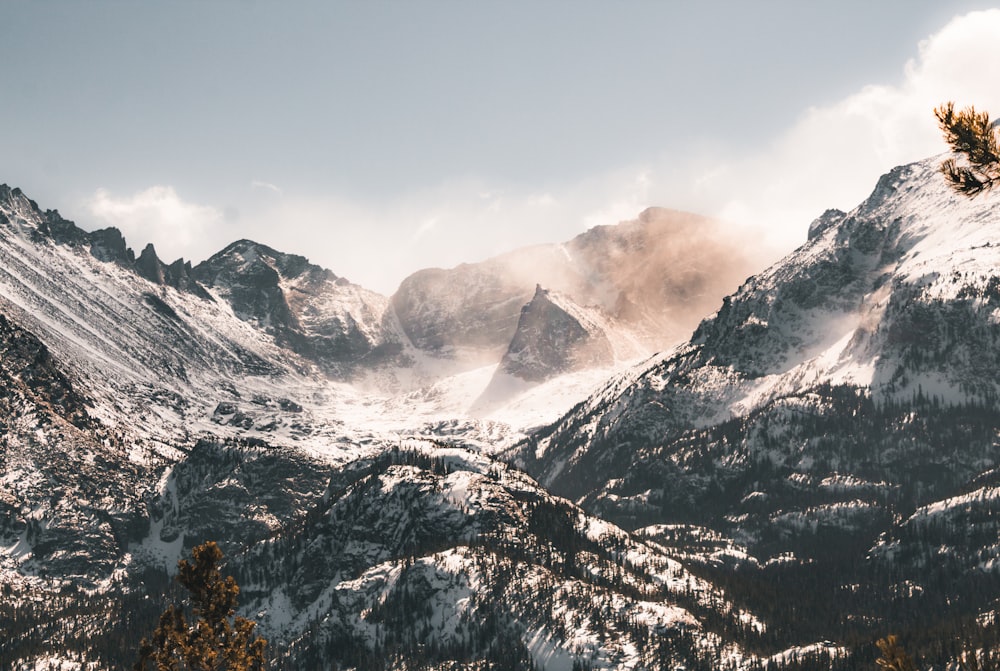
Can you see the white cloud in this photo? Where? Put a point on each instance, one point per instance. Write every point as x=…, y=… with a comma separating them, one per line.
x=377, y=244
x=158, y=215
x=267, y=186
x=629, y=197
x=833, y=155
x=425, y=227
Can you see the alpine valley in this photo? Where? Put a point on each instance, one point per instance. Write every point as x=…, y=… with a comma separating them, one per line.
x=551, y=459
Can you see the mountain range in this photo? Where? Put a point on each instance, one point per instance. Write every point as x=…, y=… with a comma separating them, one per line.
x=540, y=459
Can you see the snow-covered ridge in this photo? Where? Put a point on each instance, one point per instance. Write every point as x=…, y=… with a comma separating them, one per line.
x=474, y=542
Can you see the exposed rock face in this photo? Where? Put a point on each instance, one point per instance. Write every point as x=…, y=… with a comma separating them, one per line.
x=306, y=308
x=471, y=309
x=30, y=372
x=148, y=265
x=829, y=218
x=68, y=499
x=108, y=244
x=553, y=337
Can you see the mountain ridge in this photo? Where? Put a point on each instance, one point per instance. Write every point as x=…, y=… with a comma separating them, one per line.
x=825, y=443
x=845, y=388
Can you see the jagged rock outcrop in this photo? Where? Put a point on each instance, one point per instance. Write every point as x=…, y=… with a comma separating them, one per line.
x=308, y=309
x=554, y=336
x=108, y=244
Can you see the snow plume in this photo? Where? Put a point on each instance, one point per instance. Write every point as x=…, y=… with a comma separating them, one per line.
x=676, y=265
x=465, y=221
x=156, y=215
x=377, y=244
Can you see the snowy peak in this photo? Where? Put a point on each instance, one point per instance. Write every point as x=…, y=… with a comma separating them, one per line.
x=306, y=308
x=831, y=217
x=246, y=257
x=246, y=275
x=558, y=346
x=468, y=311
x=555, y=336
x=22, y=216
x=107, y=245
x=13, y=203
x=883, y=296
x=666, y=269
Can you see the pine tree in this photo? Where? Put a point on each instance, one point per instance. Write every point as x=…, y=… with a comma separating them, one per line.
x=217, y=640
x=893, y=658
x=970, y=133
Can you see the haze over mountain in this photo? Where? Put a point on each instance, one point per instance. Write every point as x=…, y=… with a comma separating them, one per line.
x=825, y=442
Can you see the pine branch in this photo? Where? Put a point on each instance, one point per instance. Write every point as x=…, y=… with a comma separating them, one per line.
x=971, y=134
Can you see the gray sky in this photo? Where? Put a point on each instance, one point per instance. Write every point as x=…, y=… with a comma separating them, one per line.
x=379, y=138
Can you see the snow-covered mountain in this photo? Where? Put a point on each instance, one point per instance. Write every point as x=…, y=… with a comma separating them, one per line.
x=895, y=299
x=151, y=406
x=838, y=415
x=814, y=468
x=309, y=310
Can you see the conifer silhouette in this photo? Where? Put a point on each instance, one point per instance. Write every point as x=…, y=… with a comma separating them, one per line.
x=216, y=640
x=893, y=658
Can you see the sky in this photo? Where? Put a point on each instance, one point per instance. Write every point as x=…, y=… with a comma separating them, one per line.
x=377, y=138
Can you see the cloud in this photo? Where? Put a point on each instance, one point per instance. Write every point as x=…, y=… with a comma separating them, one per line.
x=267, y=186
x=158, y=215
x=833, y=155
x=377, y=244
x=425, y=227
x=630, y=195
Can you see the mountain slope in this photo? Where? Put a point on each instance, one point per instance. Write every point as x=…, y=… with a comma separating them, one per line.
x=108, y=378
x=837, y=417
x=896, y=297
x=152, y=406
x=818, y=463
x=438, y=554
